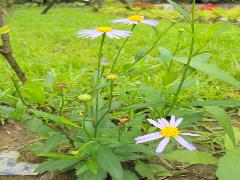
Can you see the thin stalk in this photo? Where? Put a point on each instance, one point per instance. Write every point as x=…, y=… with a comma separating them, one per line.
x=84, y=120
x=110, y=96
x=153, y=46
x=100, y=56
x=188, y=62
x=119, y=132
x=121, y=48
x=18, y=91
x=98, y=71
x=62, y=103
x=175, y=52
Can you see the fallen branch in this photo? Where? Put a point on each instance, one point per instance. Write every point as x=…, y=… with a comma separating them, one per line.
x=6, y=51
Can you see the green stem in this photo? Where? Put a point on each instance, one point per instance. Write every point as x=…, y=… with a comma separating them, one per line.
x=188, y=62
x=100, y=56
x=119, y=133
x=153, y=46
x=18, y=90
x=98, y=71
x=62, y=103
x=121, y=48
x=175, y=52
x=84, y=120
x=110, y=96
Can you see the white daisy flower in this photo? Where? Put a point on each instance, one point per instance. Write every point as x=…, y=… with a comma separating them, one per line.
x=167, y=130
x=135, y=20
x=94, y=33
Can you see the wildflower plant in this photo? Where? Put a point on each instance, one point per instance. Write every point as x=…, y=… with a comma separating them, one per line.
x=99, y=129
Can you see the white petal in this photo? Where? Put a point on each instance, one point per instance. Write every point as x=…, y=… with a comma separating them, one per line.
x=125, y=21
x=163, y=122
x=150, y=22
x=162, y=145
x=156, y=124
x=172, y=120
x=89, y=33
x=177, y=122
x=148, y=137
x=185, y=144
x=190, y=134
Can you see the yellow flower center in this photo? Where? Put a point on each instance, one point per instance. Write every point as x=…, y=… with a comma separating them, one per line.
x=135, y=18
x=169, y=131
x=104, y=29
x=112, y=76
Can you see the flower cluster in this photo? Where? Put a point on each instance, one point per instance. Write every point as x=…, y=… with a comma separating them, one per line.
x=208, y=7
x=143, y=4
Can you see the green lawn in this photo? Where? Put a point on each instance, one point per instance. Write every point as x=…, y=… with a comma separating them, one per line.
x=49, y=44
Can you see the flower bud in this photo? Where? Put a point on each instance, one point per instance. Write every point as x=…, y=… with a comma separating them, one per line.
x=181, y=30
x=105, y=63
x=124, y=119
x=61, y=85
x=84, y=97
x=74, y=153
x=112, y=76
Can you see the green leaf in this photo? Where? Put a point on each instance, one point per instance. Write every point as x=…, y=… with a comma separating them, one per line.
x=57, y=155
x=92, y=166
x=52, y=142
x=191, y=157
x=128, y=175
x=56, y=165
x=165, y=54
x=144, y=170
x=211, y=70
x=109, y=162
x=34, y=124
x=67, y=122
x=85, y=147
x=229, y=165
x=227, y=103
x=223, y=119
x=160, y=170
x=169, y=78
x=187, y=84
x=34, y=92
x=227, y=141
x=140, y=54
x=180, y=10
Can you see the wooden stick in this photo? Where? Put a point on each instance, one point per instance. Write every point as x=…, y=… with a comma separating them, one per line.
x=6, y=51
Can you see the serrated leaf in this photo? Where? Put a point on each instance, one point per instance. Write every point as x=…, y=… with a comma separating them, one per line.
x=180, y=10
x=191, y=157
x=109, y=162
x=144, y=170
x=92, y=166
x=56, y=165
x=128, y=175
x=229, y=165
x=52, y=142
x=210, y=69
x=223, y=119
x=57, y=155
